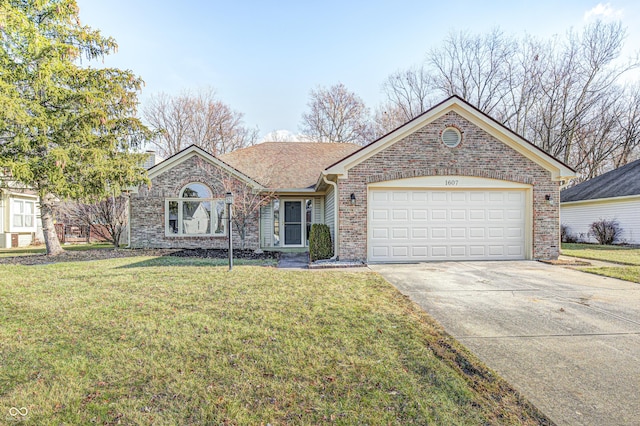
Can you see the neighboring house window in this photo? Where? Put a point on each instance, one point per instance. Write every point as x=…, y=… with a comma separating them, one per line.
x=23, y=214
x=195, y=213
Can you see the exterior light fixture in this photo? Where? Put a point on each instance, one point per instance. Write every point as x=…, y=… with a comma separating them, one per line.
x=549, y=199
x=353, y=199
x=228, y=200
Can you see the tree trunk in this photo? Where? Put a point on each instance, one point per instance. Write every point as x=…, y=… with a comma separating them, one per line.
x=48, y=228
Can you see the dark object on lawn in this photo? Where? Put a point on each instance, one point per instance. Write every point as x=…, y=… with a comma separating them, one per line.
x=606, y=231
x=320, y=246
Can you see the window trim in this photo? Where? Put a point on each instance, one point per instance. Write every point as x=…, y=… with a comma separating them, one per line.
x=180, y=200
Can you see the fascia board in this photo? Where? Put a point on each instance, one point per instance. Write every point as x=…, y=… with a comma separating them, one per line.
x=601, y=200
x=195, y=151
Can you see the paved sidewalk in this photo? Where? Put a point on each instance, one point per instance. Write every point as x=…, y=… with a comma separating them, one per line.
x=294, y=261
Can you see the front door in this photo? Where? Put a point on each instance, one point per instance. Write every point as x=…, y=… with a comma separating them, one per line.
x=293, y=223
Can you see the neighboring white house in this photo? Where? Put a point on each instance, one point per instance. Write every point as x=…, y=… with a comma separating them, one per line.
x=20, y=223
x=613, y=195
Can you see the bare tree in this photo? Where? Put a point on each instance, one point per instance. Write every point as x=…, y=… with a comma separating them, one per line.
x=387, y=118
x=106, y=218
x=199, y=119
x=563, y=94
x=247, y=199
x=409, y=93
x=337, y=115
x=474, y=67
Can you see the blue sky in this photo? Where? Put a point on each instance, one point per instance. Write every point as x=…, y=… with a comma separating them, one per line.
x=263, y=57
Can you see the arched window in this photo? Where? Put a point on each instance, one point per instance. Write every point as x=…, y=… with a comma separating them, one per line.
x=195, y=212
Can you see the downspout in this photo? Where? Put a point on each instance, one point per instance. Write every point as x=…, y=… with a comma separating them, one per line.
x=336, y=208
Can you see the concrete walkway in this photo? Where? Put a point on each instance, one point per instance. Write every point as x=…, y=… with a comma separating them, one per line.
x=294, y=261
x=567, y=340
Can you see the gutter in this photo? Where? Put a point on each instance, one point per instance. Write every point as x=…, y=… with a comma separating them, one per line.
x=335, y=215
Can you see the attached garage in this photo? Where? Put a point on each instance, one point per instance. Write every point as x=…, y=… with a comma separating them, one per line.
x=451, y=184
x=448, y=218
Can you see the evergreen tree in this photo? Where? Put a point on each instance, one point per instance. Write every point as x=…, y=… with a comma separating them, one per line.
x=66, y=130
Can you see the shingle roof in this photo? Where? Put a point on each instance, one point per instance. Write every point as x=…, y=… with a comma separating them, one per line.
x=620, y=182
x=280, y=165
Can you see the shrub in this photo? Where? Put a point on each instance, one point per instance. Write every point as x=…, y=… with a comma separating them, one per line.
x=566, y=236
x=320, y=246
x=605, y=231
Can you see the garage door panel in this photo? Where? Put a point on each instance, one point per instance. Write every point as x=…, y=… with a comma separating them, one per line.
x=380, y=215
x=419, y=214
x=475, y=214
x=400, y=251
x=457, y=197
x=400, y=233
x=458, y=233
x=439, y=251
x=439, y=233
x=457, y=214
x=415, y=225
x=439, y=214
x=400, y=214
x=380, y=233
x=400, y=196
x=494, y=214
x=458, y=251
x=419, y=251
x=419, y=233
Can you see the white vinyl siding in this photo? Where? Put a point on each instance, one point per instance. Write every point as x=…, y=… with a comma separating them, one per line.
x=318, y=213
x=329, y=210
x=266, y=226
x=578, y=217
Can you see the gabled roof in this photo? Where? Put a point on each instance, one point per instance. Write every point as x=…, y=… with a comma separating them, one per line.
x=621, y=182
x=558, y=170
x=192, y=151
x=287, y=165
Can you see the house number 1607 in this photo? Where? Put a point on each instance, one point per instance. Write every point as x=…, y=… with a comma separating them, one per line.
x=451, y=182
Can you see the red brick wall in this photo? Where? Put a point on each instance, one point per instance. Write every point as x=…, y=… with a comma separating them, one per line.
x=423, y=154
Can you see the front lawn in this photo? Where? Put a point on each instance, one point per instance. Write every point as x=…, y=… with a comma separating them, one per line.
x=617, y=254
x=153, y=340
x=25, y=251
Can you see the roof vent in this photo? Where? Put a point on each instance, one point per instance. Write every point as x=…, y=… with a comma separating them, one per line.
x=451, y=137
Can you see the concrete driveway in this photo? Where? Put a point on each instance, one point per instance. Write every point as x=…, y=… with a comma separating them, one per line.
x=567, y=340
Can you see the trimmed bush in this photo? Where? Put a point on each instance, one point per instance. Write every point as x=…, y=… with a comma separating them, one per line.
x=566, y=236
x=605, y=231
x=320, y=246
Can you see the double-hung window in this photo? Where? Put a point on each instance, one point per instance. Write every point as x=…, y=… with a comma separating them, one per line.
x=23, y=215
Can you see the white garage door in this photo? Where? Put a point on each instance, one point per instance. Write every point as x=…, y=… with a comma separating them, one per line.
x=417, y=225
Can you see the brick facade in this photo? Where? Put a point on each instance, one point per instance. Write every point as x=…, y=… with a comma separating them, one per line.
x=423, y=154
x=147, y=213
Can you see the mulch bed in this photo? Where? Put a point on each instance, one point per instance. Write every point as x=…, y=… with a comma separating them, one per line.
x=99, y=254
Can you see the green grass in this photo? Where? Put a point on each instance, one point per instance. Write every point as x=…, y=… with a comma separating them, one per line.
x=627, y=273
x=616, y=254
x=176, y=341
x=25, y=251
